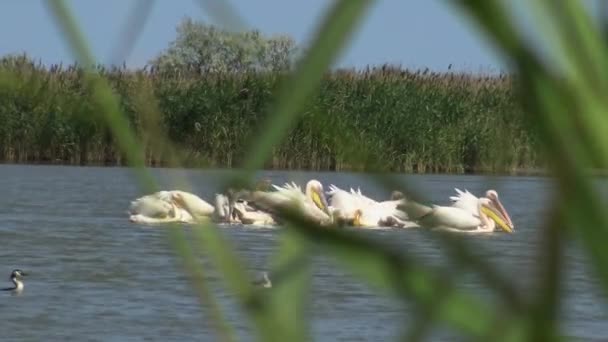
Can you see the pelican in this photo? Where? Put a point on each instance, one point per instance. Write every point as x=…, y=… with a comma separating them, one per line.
x=169, y=206
x=252, y=216
x=454, y=218
x=196, y=206
x=223, y=211
x=240, y=210
x=468, y=202
x=312, y=203
x=158, y=204
x=158, y=207
x=363, y=211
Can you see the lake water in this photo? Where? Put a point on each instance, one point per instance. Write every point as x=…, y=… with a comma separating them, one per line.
x=96, y=276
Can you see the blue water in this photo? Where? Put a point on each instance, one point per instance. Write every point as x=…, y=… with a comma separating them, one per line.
x=96, y=276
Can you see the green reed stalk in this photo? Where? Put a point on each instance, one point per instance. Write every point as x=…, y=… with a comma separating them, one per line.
x=413, y=121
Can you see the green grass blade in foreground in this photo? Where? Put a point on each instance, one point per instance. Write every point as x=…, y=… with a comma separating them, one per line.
x=395, y=272
x=331, y=37
x=134, y=25
x=209, y=239
x=545, y=308
x=546, y=106
x=104, y=96
x=291, y=285
x=587, y=80
x=120, y=128
x=195, y=271
x=456, y=248
x=223, y=13
x=591, y=41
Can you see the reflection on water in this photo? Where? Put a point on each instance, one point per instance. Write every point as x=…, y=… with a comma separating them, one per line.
x=95, y=275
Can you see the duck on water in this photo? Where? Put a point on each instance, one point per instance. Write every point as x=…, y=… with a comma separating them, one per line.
x=16, y=277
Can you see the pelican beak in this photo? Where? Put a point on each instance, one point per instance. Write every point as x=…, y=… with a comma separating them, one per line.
x=496, y=215
x=320, y=201
x=503, y=212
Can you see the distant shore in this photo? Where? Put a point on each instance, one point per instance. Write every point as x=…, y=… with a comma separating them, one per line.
x=520, y=172
x=410, y=121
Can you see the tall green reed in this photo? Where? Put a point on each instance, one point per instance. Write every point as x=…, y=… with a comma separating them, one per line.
x=413, y=121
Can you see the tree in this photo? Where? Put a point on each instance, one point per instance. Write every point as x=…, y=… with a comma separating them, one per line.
x=205, y=48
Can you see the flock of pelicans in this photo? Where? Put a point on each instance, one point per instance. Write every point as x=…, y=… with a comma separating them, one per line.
x=262, y=207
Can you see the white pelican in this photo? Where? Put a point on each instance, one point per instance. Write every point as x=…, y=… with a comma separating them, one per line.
x=169, y=206
x=311, y=203
x=251, y=216
x=158, y=207
x=454, y=218
x=196, y=206
x=241, y=211
x=363, y=211
x=223, y=210
x=157, y=204
x=467, y=201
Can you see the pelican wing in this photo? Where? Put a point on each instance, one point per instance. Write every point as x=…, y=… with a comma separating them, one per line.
x=290, y=197
x=257, y=217
x=414, y=210
x=195, y=205
x=362, y=198
x=346, y=202
x=371, y=212
x=465, y=201
x=150, y=206
x=450, y=217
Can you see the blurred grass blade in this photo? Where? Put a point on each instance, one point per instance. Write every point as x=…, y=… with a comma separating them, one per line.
x=409, y=281
x=395, y=273
x=196, y=274
x=132, y=29
x=330, y=38
x=588, y=35
x=108, y=101
x=550, y=103
x=234, y=274
x=102, y=92
x=291, y=284
x=223, y=14
x=545, y=312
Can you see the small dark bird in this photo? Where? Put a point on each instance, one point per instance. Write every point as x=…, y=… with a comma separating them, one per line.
x=16, y=277
x=264, y=282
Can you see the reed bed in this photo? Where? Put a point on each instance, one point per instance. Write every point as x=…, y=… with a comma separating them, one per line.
x=385, y=118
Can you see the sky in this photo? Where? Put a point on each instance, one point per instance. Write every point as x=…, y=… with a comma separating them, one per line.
x=412, y=33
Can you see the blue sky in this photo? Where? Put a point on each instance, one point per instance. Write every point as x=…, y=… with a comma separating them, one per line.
x=413, y=33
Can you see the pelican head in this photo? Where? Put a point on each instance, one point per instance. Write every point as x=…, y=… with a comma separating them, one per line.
x=488, y=208
x=493, y=196
x=314, y=191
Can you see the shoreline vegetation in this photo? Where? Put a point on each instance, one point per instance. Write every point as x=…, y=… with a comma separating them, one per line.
x=205, y=97
x=390, y=118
